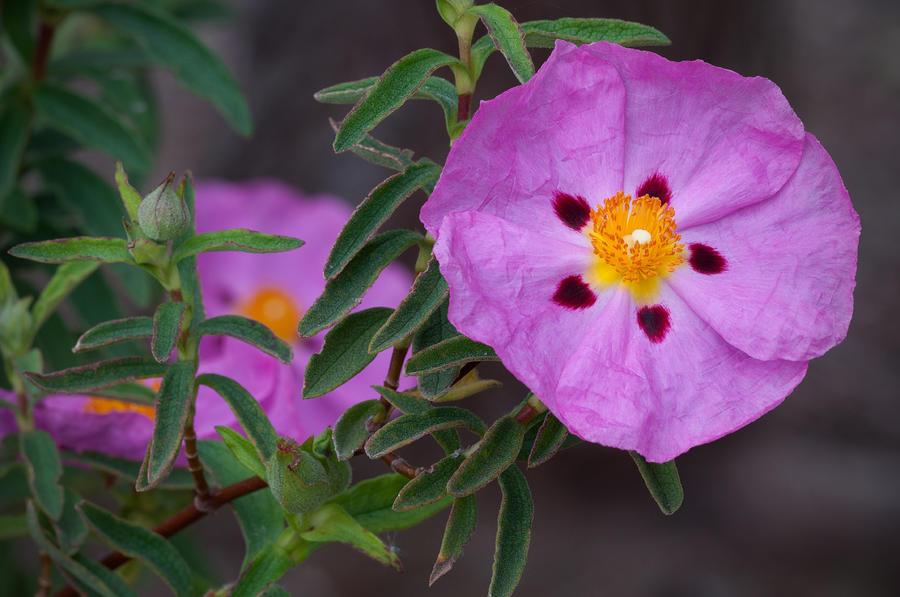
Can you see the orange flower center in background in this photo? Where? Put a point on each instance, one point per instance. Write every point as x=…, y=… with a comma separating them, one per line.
x=275, y=309
x=103, y=406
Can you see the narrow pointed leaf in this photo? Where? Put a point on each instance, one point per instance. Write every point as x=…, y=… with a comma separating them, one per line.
x=131, y=199
x=250, y=331
x=351, y=430
x=267, y=567
x=64, y=280
x=44, y=470
x=408, y=428
x=178, y=479
x=375, y=210
x=167, y=322
x=550, y=438
x=496, y=451
x=406, y=403
x=449, y=353
x=247, y=411
x=92, y=124
x=174, y=46
x=18, y=23
x=242, y=450
x=107, y=576
x=381, y=154
x=427, y=294
x=429, y=486
x=172, y=408
x=348, y=92
x=345, y=291
x=543, y=34
x=128, y=391
x=370, y=501
x=344, y=353
x=508, y=38
x=662, y=481
x=71, y=530
x=469, y=385
x=394, y=87
x=238, y=239
x=142, y=543
x=187, y=267
x=78, y=380
x=513, y=533
x=435, y=329
x=14, y=124
x=80, y=248
x=117, y=330
x=332, y=523
x=460, y=526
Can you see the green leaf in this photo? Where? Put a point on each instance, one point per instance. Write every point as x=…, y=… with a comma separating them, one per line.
x=250, y=331
x=460, y=526
x=129, y=391
x=167, y=322
x=394, y=87
x=243, y=450
x=513, y=533
x=247, y=411
x=375, y=210
x=436, y=328
x=259, y=515
x=19, y=211
x=406, y=403
x=131, y=199
x=496, y=451
x=370, y=501
x=44, y=470
x=427, y=294
x=137, y=541
x=13, y=527
x=332, y=523
x=14, y=125
x=117, y=330
x=175, y=47
x=449, y=353
x=172, y=407
x=107, y=576
x=19, y=20
x=64, y=280
x=79, y=380
x=239, y=239
x=344, y=353
x=429, y=486
x=90, y=123
x=381, y=154
x=80, y=248
x=88, y=196
x=267, y=567
x=71, y=530
x=408, y=428
x=351, y=429
x=550, y=438
x=297, y=480
x=348, y=92
x=662, y=481
x=345, y=291
x=543, y=34
x=178, y=479
x=508, y=38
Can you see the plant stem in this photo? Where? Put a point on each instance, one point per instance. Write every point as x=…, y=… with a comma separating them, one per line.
x=42, y=50
x=202, y=496
x=45, y=580
x=392, y=380
x=398, y=465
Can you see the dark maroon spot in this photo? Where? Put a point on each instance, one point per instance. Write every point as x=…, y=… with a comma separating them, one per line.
x=574, y=293
x=573, y=211
x=706, y=260
x=655, y=186
x=654, y=321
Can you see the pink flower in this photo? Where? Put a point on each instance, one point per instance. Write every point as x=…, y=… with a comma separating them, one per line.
x=655, y=248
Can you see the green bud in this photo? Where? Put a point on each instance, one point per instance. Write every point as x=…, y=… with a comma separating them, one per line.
x=163, y=215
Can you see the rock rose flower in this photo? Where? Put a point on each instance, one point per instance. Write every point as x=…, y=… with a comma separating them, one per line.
x=656, y=249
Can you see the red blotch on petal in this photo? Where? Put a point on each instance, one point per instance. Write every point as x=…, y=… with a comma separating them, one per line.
x=655, y=186
x=574, y=293
x=572, y=210
x=706, y=260
x=654, y=321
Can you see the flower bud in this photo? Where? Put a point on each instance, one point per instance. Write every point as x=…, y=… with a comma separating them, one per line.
x=162, y=214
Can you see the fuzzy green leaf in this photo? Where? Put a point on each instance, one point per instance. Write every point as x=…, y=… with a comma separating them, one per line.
x=460, y=526
x=71, y=530
x=408, y=428
x=348, y=92
x=131, y=199
x=178, y=479
x=44, y=470
x=394, y=87
x=128, y=391
x=19, y=20
x=427, y=294
x=267, y=567
x=370, y=501
x=117, y=330
x=64, y=280
x=345, y=291
x=250, y=331
x=167, y=323
x=173, y=46
x=351, y=430
x=550, y=438
x=332, y=523
x=662, y=481
x=79, y=248
x=429, y=486
x=435, y=329
x=238, y=239
x=344, y=353
x=381, y=154
x=543, y=34
x=508, y=38
x=406, y=403
x=496, y=451
x=513, y=533
x=79, y=380
x=247, y=411
x=449, y=353
x=14, y=124
x=92, y=124
x=242, y=450
x=172, y=408
x=142, y=543
x=375, y=210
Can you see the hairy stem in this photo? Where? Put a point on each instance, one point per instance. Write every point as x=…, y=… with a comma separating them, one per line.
x=202, y=495
x=398, y=465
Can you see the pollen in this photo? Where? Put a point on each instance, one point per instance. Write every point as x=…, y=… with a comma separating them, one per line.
x=104, y=406
x=274, y=308
x=635, y=240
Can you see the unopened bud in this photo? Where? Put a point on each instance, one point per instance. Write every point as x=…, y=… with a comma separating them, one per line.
x=163, y=215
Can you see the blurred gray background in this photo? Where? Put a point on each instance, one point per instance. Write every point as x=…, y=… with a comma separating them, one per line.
x=806, y=501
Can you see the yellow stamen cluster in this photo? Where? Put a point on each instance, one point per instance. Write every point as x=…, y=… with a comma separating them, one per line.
x=103, y=406
x=274, y=308
x=637, y=238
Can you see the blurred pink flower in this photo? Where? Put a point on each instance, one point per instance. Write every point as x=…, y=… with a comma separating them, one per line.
x=655, y=248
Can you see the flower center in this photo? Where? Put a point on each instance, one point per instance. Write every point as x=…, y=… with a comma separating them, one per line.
x=275, y=309
x=104, y=406
x=636, y=240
